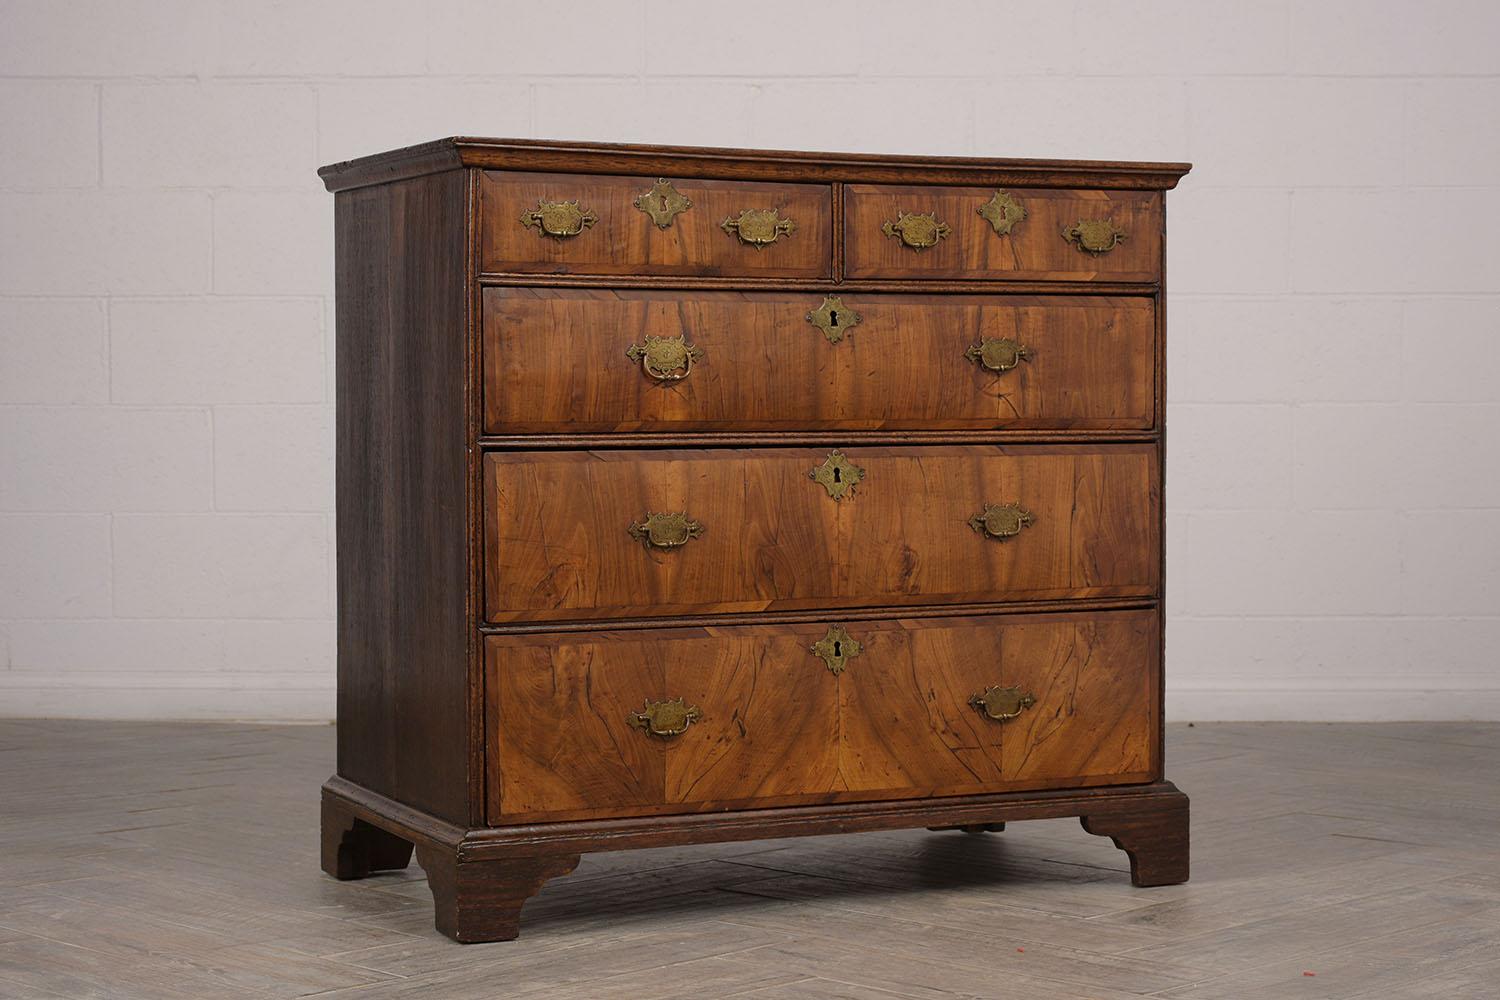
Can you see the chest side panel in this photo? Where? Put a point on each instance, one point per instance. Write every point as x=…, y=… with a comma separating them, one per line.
x=403, y=467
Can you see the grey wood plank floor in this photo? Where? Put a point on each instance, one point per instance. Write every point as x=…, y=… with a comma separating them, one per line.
x=174, y=861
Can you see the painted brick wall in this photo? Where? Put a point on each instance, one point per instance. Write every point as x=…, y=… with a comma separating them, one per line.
x=165, y=309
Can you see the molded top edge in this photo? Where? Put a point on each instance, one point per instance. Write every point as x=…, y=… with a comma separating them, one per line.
x=750, y=164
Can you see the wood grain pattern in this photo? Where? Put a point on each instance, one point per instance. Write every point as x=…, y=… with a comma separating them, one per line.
x=1033, y=249
x=778, y=727
x=402, y=440
x=557, y=544
x=625, y=241
x=555, y=361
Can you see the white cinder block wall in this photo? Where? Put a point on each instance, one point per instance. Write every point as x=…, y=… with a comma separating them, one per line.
x=166, y=315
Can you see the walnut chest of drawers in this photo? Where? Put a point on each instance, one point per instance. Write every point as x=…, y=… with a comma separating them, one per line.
x=694, y=495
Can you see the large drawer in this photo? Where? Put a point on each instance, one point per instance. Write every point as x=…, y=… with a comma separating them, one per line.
x=584, y=725
x=587, y=361
x=1058, y=235
x=598, y=224
x=570, y=534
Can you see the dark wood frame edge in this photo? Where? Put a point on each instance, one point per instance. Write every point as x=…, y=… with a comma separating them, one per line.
x=481, y=877
x=743, y=164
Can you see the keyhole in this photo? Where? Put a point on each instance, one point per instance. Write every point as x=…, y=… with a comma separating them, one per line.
x=838, y=648
x=833, y=317
x=838, y=474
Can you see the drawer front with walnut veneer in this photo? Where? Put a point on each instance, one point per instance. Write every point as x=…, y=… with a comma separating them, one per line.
x=571, y=224
x=744, y=361
x=633, y=723
x=923, y=232
x=693, y=495
x=610, y=534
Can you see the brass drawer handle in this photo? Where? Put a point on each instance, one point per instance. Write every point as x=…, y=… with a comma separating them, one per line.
x=1002, y=212
x=998, y=354
x=1002, y=521
x=1002, y=703
x=666, y=359
x=836, y=649
x=834, y=318
x=665, y=531
x=1095, y=236
x=560, y=219
x=662, y=203
x=917, y=231
x=837, y=475
x=665, y=718
x=759, y=227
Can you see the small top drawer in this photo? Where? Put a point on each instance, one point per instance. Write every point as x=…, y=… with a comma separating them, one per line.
x=604, y=224
x=915, y=231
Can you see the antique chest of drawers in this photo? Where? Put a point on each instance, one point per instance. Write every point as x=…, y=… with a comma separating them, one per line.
x=690, y=495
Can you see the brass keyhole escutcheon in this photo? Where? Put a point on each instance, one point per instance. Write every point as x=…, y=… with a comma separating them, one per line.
x=1002, y=521
x=559, y=219
x=666, y=359
x=665, y=718
x=1002, y=212
x=1095, y=236
x=1002, y=703
x=918, y=231
x=837, y=475
x=662, y=203
x=998, y=354
x=834, y=318
x=665, y=531
x=836, y=649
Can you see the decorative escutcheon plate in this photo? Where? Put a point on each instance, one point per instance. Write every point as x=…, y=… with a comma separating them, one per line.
x=837, y=475
x=1094, y=236
x=916, y=231
x=559, y=218
x=998, y=354
x=1003, y=212
x=663, y=203
x=759, y=227
x=665, y=718
x=836, y=649
x=666, y=359
x=1002, y=521
x=665, y=531
x=834, y=318
x=1002, y=703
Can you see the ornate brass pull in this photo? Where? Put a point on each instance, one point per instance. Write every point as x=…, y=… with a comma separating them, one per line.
x=1002, y=703
x=837, y=475
x=759, y=227
x=665, y=718
x=1003, y=212
x=559, y=218
x=998, y=354
x=1095, y=236
x=917, y=231
x=834, y=318
x=665, y=531
x=1001, y=521
x=663, y=203
x=836, y=649
x=666, y=359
